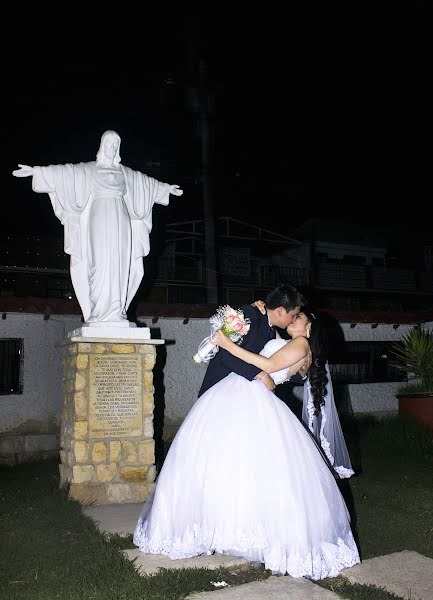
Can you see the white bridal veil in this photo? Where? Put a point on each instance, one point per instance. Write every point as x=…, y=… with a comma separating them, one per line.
x=326, y=428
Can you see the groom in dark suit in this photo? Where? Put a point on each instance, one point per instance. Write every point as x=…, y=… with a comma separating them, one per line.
x=282, y=306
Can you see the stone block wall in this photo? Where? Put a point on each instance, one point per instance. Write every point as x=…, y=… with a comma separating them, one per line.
x=107, y=447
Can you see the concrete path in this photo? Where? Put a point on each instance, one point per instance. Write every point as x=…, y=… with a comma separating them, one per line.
x=274, y=588
x=149, y=564
x=406, y=574
x=115, y=518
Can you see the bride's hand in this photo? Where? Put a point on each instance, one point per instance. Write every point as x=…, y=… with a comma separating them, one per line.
x=221, y=340
x=260, y=305
x=300, y=367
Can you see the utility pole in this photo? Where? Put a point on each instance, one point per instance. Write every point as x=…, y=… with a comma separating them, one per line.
x=206, y=106
x=201, y=102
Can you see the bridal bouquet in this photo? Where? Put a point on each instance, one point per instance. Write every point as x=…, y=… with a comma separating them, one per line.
x=231, y=322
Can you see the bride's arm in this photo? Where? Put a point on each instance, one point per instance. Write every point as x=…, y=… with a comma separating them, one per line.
x=288, y=355
x=301, y=367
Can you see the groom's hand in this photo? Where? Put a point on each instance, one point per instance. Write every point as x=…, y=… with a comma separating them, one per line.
x=269, y=383
x=303, y=371
x=260, y=305
x=267, y=380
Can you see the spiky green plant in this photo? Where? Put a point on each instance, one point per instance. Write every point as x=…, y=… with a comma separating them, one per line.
x=414, y=355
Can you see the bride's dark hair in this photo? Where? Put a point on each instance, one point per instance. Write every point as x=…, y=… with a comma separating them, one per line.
x=319, y=349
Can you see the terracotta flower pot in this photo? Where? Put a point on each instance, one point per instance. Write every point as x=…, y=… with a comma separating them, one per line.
x=417, y=407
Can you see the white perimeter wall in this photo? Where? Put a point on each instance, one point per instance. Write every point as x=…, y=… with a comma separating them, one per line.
x=25, y=417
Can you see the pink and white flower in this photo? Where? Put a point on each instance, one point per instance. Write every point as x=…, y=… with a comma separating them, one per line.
x=231, y=322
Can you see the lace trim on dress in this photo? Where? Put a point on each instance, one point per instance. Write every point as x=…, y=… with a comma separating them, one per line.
x=328, y=560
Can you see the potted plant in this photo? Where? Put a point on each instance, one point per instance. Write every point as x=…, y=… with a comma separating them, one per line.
x=414, y=355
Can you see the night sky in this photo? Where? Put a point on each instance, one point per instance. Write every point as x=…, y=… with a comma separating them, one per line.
x=304, y=125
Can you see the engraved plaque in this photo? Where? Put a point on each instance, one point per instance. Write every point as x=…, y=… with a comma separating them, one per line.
x=116, y=396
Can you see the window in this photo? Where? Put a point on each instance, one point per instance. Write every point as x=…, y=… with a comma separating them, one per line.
x=239, y=297
x=186, y=295
x=236, y=261
x=344, y=303
x=58, y=287
x=11, y=366
x=364, y=362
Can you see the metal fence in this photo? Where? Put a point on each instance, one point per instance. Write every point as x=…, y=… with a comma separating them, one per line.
x=364, y=362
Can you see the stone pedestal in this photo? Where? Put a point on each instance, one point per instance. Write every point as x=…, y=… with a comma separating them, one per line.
x=107, y=446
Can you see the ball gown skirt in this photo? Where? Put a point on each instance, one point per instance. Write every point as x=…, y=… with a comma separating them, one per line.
x=243, y=478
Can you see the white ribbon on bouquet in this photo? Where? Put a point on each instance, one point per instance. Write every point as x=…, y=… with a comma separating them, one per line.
x=207, y=348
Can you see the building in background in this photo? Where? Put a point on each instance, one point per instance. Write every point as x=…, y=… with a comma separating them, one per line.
x=34, y=266
x=370, y=286
x=339, y=266
x=354, y=267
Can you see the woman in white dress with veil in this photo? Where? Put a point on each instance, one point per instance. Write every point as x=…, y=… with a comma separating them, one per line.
x=244, y=478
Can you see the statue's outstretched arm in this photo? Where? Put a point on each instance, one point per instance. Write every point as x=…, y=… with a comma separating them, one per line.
x=175, y=190
x=23, y=171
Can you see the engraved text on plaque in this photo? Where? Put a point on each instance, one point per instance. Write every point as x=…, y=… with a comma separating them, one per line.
x=116, y=396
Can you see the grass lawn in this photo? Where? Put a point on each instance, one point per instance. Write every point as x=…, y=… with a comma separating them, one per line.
x=391, y=496
x=49, y=550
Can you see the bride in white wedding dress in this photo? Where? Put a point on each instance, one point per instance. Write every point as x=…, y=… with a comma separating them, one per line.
x=244, y=478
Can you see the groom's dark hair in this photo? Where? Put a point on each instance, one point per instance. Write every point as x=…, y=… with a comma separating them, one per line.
x=286, y=296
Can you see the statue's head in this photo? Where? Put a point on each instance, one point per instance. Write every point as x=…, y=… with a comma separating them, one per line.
x=109, y=149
